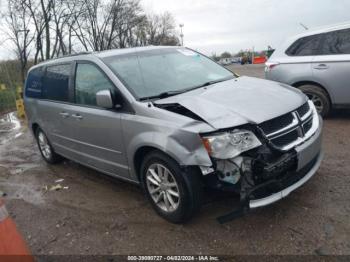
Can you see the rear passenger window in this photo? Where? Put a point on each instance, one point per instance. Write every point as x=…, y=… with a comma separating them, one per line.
x=34, y=83
x=306, y=46
x=337, y=42
x=56, y=83
x=88, y=81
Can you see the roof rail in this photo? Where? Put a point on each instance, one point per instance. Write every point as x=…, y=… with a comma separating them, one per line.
x=76, y=54
x=64, y=56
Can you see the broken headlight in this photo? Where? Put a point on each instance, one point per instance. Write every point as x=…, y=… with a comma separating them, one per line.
x=230, y=144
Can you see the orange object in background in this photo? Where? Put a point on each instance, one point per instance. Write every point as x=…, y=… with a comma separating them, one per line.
x=259, y=60
x=12, y=245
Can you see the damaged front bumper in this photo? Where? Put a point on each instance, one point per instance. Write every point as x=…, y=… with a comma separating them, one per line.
x=305, y=160
x=285, y=192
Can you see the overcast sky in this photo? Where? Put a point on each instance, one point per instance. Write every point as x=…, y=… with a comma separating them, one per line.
x=231, y=25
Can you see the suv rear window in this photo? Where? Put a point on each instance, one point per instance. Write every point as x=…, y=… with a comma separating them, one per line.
x=56, y=82
x=305, y=46
x=332, y=43
x=34, y=83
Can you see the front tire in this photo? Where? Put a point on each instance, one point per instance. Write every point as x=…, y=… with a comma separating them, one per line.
x=45, y=148
x=319, y=97
x=175, y=193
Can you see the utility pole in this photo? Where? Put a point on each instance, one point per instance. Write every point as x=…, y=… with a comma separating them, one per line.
x=181, y=34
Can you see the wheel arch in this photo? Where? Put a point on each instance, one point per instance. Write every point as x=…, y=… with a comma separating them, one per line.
x=35, y=127
x=139, y=155
x=302, y=83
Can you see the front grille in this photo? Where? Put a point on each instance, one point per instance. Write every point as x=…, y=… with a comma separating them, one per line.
x=307, y=125
x=286, y=139
x=303, y=110
x=277, y=123
x=285, y=131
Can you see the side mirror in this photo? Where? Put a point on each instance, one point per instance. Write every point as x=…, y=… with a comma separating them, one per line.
x=104, y=99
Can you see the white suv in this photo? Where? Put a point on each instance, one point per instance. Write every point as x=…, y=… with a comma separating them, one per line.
x=317, y=62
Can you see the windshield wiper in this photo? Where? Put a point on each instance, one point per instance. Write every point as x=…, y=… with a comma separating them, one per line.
x=163, y=95
x=209, y=83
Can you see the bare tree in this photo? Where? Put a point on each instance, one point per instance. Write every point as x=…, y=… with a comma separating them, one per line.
x=140, y=32
x=105, y=25
x=46, y=11
x=53, y=21
x=161, y=30
x=18, y=23
x=41, y=14
x=76, y=20
x=54, y=28
x=34, y=11
x=61, y=18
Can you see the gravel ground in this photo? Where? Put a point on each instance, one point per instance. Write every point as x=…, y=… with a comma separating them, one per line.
x=97, y=214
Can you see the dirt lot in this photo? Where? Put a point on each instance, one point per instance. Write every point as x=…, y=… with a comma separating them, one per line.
x=97, y=214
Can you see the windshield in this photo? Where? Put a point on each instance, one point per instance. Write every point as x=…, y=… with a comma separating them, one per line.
x=165, y=71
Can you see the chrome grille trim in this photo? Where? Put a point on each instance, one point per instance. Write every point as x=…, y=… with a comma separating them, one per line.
x=298, y=123
x=284, y=133
x=306, y=116
x=281, y=131
x=303, y=111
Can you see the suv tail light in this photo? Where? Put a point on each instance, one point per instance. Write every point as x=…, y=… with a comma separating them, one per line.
x=270, y=65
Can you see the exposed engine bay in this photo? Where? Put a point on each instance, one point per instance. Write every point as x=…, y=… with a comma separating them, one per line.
x=255, y=167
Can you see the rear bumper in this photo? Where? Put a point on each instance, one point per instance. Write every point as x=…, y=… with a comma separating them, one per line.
x=285, y=192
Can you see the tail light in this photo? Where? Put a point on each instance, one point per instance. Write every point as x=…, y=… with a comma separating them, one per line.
x=270, y=65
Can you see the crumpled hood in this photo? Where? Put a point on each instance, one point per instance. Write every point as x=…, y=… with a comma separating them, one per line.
x=239, y=101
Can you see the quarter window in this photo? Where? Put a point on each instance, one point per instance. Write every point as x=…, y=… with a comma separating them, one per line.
x=34, y=83
x=89, y=80
x=56, y=83
x=306, y=46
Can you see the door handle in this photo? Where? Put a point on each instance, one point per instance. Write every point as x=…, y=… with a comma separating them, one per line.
x=321, y=67
x=64, y=114
x=77, y=116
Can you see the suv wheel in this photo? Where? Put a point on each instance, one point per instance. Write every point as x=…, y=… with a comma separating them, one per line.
x=319, y=97
x=46, y=149
x=174, y=193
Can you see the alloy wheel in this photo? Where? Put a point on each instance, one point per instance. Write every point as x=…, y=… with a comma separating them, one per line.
x=317, y=102
x=44, y=145
x=163, y=187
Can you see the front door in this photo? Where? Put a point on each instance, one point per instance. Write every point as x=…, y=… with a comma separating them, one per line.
x=97, y=135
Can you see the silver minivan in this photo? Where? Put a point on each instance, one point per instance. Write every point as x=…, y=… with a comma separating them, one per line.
x=317, y=62
x=175, y=122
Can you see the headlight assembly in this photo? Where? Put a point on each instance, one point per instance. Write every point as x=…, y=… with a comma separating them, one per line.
x=230, y=144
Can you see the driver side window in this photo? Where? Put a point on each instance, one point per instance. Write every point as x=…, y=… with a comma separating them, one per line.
x=88, y=81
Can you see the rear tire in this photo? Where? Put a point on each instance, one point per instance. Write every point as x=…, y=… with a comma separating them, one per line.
x=319, y=97
x=185, y=194
x=45, y=148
